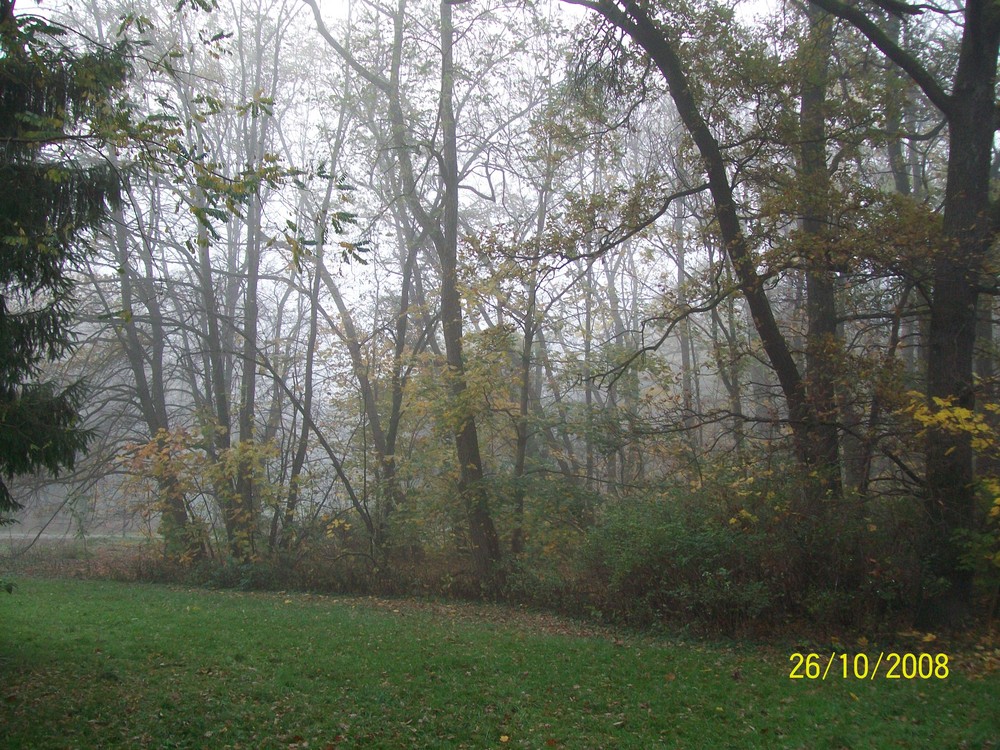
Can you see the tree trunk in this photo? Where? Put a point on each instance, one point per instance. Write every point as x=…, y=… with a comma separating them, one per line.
x=482, y=533
x=692, y=433
x=956, y=277
x=302, y=445
x=243, y=510
x=524, y=377
x=822, y=342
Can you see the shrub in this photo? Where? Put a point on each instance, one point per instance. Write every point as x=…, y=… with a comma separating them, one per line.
x=737, y=560
x=655, y=563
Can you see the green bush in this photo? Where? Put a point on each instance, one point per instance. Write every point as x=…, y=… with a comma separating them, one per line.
x=736, y=560
x=657, y=563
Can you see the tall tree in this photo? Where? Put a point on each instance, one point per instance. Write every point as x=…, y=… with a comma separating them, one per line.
x=640, y=23
x=966, y=96
x=816, y=51
x=440, y=223
x=53, y=103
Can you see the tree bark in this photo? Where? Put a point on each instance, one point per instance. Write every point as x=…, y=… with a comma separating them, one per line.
x=482, y=533
x=822, y=341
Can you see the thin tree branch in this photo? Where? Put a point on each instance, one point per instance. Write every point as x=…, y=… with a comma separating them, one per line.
x=904, y=60
x=382, y=84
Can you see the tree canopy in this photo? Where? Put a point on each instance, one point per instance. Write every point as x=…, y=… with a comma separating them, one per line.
x=56, y=190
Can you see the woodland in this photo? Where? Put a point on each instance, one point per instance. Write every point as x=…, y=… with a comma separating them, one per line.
x=659, y=312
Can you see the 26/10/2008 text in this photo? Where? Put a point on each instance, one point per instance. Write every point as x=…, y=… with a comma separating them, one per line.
x=888, y=665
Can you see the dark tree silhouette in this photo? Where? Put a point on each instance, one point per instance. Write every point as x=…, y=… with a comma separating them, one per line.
x=53, y=104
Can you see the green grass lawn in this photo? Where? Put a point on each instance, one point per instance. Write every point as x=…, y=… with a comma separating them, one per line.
x=101, y=665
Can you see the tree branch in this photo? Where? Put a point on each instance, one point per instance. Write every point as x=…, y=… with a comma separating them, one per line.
x=375, y=79
x=904, y=60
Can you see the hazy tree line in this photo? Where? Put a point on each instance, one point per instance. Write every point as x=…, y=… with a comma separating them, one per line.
x=655, y=299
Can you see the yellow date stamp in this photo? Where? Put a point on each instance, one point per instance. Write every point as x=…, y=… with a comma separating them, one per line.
x=886, y=665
